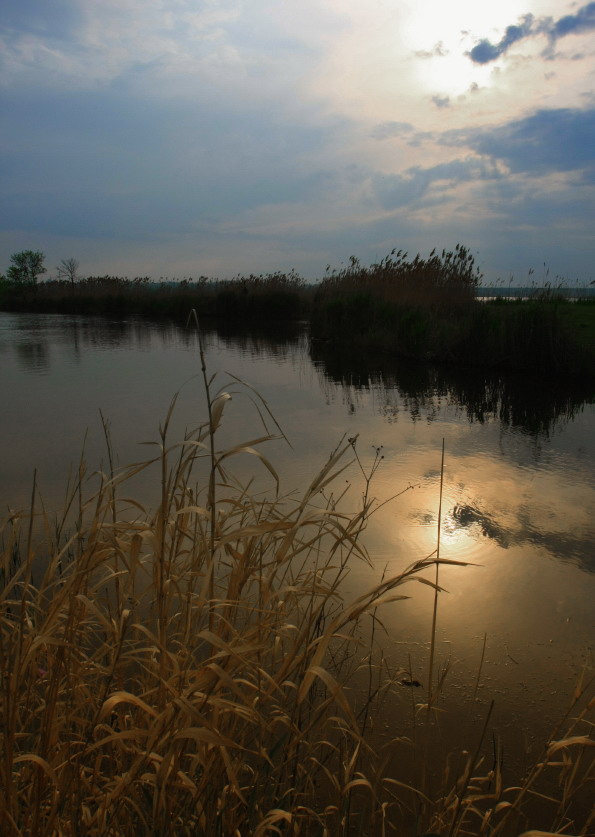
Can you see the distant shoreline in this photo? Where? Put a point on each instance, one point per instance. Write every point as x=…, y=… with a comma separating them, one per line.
x=457, y=322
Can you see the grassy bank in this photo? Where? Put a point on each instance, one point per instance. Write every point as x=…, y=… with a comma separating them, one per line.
x=189, y=670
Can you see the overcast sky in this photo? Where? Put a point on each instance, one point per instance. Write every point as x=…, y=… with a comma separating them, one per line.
x=186, y=137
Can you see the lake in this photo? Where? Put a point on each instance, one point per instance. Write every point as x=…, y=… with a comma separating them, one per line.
x=518, y=483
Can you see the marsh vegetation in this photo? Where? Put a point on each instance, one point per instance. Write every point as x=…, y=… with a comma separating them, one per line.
x=428, y=309
x=422, y=308
x=274, y=296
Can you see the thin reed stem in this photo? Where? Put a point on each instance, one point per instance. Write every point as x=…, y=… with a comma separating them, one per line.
x=483, y=651
x=212, y=501
x=436, y=589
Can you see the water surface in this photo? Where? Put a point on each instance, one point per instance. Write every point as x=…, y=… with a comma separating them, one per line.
x=518, y=497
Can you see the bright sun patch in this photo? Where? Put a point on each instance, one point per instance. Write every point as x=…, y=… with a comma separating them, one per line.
x=441, y=35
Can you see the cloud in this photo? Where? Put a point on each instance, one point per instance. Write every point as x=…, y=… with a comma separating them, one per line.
x=518, y=189
x=441, y=101
x=560, y=139
x=238, y=135
x=386, y=130
x=30, y=16
x=160, y=49
x=396, y=190
x=82, y=46
x=484, y=51
x=437, y=51
x=128, y=170
x=583, y=21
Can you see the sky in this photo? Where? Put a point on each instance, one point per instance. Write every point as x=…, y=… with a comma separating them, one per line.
x=179, y=138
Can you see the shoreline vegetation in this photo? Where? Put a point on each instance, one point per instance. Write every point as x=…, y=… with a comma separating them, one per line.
x=417, y=308
x=190, y=670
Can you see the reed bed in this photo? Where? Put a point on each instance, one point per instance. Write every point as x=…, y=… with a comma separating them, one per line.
x=446, y=279
x=427, y=309
x=411, y=306
x=188, y=670
x=263, y=297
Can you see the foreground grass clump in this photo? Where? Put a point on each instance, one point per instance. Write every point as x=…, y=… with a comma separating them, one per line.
x=187, y=671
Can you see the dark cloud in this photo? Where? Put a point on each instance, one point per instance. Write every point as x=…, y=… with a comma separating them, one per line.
x=386, y=130
x=582, y=21
x=31, y=17
x=543, y=143
x=561, y=139
x=484, y=51
x=528, y=26
x=395, y=191
x=398, y=190
x=441, y=101
x=522, y=222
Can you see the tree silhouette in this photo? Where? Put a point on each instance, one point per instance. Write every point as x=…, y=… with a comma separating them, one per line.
x=68, y=269
x=25, y=267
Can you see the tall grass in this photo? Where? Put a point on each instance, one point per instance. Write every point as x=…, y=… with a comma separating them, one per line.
x=446, y=279
x=188, y=670
x=407, y=305
x=427, y=309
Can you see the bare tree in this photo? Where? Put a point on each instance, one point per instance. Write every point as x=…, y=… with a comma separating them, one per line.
x=68, y=269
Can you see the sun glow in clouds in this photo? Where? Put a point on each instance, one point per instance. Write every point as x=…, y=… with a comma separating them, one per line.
x=449, y=73
x=441, y=35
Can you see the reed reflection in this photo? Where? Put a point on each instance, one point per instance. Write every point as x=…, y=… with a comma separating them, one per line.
x=421, y=390
x=418, y=389
x=77, y=333
x=34, y=356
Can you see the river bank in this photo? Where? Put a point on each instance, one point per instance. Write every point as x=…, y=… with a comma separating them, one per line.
x=422, y=309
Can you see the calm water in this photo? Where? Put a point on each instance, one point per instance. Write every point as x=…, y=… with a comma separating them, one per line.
x=519, y=480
